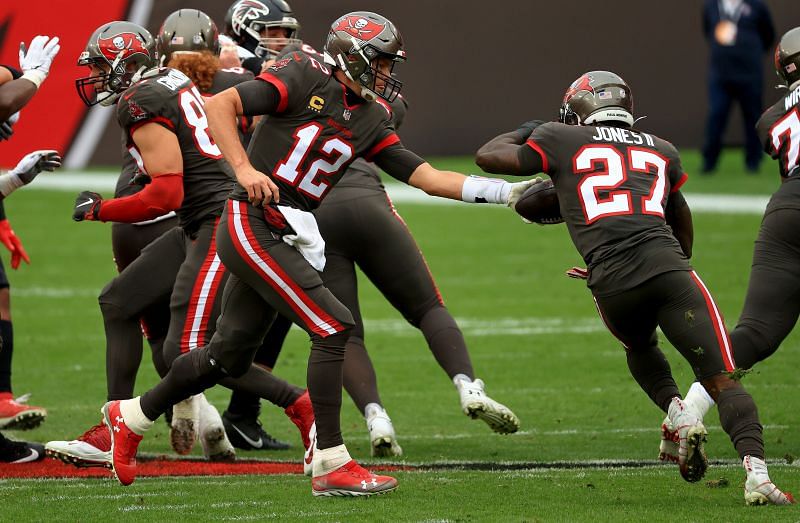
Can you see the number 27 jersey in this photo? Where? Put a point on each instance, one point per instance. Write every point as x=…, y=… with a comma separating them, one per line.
x=612, y=185
x=318, y=130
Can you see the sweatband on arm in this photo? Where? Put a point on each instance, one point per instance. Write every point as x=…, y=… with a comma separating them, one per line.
x=478, y=189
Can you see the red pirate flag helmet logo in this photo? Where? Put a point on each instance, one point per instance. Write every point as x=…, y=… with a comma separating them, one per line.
x=359, y=27
x=584, y=83
x=122, y=46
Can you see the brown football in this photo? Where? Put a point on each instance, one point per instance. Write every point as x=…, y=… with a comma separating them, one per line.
x=539, y=204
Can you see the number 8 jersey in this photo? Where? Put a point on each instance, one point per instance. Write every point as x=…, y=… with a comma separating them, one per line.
x=315, y=133
x=612, y=185
x=167, y=97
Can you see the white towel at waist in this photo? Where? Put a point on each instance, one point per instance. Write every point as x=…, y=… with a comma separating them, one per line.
x=307, y=240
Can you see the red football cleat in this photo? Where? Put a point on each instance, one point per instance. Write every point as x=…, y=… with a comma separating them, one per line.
x=302, y=414
x=351, y=479
x=16, y=415
x=124, y=443
x=91, y=449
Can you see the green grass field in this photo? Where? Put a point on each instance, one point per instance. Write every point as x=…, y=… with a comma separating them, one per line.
x=535, y=339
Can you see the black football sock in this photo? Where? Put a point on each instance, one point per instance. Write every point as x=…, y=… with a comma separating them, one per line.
x=324, y=378
x=359, y=377
x=651, y=370
x=124, y=349
x=6, y=353
x=738, y=416
x=446, y=342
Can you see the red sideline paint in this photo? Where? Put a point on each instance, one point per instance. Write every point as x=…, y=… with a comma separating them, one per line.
x=50, y=468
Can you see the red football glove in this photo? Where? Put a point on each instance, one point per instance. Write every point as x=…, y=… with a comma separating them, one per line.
x=13, y=244
x=579, y=273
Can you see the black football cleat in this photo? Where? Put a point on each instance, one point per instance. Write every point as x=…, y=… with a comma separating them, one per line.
x=246, y=433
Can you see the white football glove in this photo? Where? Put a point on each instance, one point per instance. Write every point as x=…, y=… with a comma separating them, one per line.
x=35, y=61
x=27, y=169
x=518, y=189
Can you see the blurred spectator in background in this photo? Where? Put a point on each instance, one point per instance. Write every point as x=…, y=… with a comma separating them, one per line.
x=739, y=33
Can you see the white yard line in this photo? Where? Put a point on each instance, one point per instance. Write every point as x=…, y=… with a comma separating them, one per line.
x=106, y=181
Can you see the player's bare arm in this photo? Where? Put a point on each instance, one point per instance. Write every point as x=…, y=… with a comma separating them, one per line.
x=679, y=217
x=500, y=155
x=506, y=153
x=447, y=184
x=222, y=111
x=162, y=160
x=14, y=94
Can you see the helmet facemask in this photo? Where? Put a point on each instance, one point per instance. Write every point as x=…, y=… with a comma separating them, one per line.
x=112, y=82
x=269, y=47
x=361, y=66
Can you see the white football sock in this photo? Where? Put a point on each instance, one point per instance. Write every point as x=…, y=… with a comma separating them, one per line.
x=135, y=419
x=458, y=378
x=698, y=398
x=372, y=409
x=328, y=460
x=756, y=467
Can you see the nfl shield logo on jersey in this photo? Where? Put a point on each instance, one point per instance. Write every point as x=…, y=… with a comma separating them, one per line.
x=346, y=114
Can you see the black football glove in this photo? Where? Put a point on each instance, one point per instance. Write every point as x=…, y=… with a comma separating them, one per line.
x=87, y=206
x=525, y=130
x=6, y=131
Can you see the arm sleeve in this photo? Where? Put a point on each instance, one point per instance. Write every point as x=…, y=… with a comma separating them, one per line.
x=398, y=162
x=258, y=97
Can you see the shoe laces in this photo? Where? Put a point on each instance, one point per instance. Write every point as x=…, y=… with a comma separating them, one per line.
x=98, y=431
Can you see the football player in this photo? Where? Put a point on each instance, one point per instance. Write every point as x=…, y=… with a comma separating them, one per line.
x=619, y=193
x=17, y=88
x=321, y=119
x=772, y=303
x=162, y=114
x=361, y=227
x=260, y=29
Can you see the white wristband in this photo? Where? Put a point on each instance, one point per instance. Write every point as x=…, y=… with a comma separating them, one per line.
x=9, y=183
x=35, y=76
x=478, y=189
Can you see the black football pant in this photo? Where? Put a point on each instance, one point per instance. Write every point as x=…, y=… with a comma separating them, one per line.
x=682, y=306
x=772, y=304
x=267, y=276
x=361, y=227
x=137, y=300
x=183, y=270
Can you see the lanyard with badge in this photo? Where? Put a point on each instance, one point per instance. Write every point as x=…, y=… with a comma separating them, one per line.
x=727, y=27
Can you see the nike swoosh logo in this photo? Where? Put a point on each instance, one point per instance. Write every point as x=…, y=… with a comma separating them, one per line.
x=87, y=202
x=308, y=456
x=257, y=443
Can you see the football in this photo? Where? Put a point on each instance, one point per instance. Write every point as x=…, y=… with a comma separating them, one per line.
x=539, y=204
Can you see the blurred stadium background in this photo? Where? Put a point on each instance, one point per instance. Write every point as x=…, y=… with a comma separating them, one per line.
x=475, y=68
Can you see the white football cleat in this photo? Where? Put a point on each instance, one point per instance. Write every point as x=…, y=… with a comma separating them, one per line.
x=668, y=449
x=90, y=449
x=477, y=405
x=214, y=440
x=758, y=488
x=382, y=439
x=185, y=425
x=692, y=436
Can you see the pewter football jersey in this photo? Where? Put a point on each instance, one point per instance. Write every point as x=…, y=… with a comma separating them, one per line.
x=170, y=99
x=317, y=132
x=612, y=186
